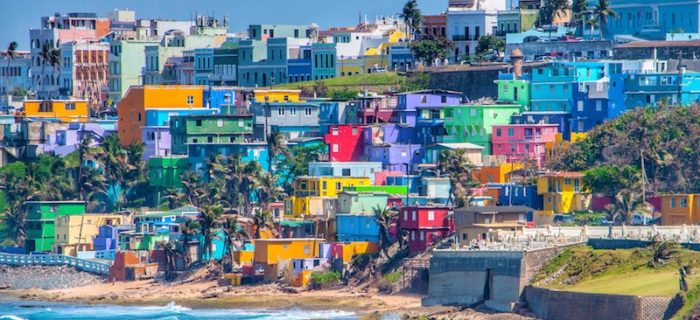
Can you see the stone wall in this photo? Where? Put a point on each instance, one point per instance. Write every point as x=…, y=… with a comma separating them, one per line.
x=586, y=49
x=474, y=81
x=553, y=305
x=461, y=277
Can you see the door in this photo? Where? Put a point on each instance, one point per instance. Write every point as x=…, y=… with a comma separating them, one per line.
x=515, y=93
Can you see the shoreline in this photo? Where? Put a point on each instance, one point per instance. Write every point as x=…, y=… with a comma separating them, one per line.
x=208, y=295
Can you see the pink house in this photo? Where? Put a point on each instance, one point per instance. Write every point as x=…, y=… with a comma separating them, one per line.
x=520, y=142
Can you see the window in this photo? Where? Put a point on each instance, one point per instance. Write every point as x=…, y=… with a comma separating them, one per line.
x=684, y=203
x=579, y=106
x=443, y=99
x=210, y=139
x=335, y=148
x=404, y=153
x=190, y=99
x=405, y=215
x=673, y=202
x=599, y=106
x=354, y=131
x=198, y=123
x=220, y=123
x=346, y=172
x=70, y=106
x=413, y=215
x=431, y=215
x=498, y=132
x=511, y=132
x=472, y=112
x=308, y=111
x=334, y=131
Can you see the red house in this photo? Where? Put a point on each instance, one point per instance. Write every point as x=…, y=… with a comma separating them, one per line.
x=345, y=142
x=425, y=225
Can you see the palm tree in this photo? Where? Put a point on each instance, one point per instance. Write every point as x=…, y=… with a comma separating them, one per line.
x=188, y=229
x=215, y=168
x=578, y=8
x=209, y=219
x=384, y=217
x=591, y=23
x=456, y=165
x=625, y=204
x=249, y=183
x=603, y=12
x=267, y=191
x=192, y=185
x=175, y=198
x=113, y=158
x=412, y=18
x=556, y=9
x=276, y=147
x=263, y=220
x=11, y=54
x=234, y=233
x=171, y=254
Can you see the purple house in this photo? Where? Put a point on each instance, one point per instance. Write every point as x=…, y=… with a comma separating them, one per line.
x=108, y=237
x=408, y=102
x=396, y=157
x=156, y=142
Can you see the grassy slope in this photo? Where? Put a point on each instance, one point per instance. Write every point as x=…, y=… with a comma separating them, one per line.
x=355, y=82
x=618, y=272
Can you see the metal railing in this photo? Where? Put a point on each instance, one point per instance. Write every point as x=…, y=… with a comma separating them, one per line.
x=54, y=260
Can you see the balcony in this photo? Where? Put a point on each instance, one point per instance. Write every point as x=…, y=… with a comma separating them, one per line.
x=461, y=37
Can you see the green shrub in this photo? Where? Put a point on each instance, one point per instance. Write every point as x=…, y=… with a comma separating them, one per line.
x=324, y=279
x=393, y=277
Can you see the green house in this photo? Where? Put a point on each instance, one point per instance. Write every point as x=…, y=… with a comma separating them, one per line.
x=351, y=202
x=40, y=222
x=165, y=172
x=214, y=129
x=514, y=92
x=141, y=241
x=473, y=123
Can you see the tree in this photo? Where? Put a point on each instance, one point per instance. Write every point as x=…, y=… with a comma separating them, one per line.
x=209, y=219
x=430, y=49
x=175, y=198
x=603, y=11
x=384, y=217
x=579, y=8
x=625, y=204
x=591, y=23
x=50, y=56
x=412, y=18
x=234, y=235
x=113, y=158
x=551, y=10
x=456, y=165
x=277, y=148
x=490, y=43
x=297, y=164
x=267, y=191
x=193, y=187
x=320, y=89
x=171, y=254
x=263, y=220
x=609, y=180
x=188, y=230
x=11, y=54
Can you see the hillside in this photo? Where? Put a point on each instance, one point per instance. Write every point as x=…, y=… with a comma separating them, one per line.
x=666, y=138
x=583, y=269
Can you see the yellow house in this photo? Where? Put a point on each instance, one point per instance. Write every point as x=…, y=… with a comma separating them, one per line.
x=563, y=192
x=63, y=110
x=276, y=95
x=131, y=110
x=75, y=232
x=679, y=209
x=326, y=186
x=295, y=207
x=273, y=251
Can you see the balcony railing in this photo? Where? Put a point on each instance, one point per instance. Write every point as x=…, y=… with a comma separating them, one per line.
x=461, y=38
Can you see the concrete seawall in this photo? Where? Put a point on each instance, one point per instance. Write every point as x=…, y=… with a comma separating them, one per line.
x=494, y=278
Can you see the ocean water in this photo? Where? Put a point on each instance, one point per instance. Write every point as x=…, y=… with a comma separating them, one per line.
x=31, y=310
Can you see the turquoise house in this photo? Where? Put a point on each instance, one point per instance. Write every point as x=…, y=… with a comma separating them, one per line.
x=650, y=88
x=552, y=87
x=248, y=151
x=353, y=202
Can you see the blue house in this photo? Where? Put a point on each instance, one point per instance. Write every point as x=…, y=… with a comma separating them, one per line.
x=401, y=57
x=356, y=228
x=519, y=195
x=330, y=113
x=414, y=182
x=108, y=237
x=647, y=89
x=561, y=118
x=222, y=99
x=650, y=19
x=597, y=102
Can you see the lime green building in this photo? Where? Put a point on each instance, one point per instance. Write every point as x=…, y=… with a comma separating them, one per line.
x=165, y=172
x=40, y=222
x=209, y=129
x=392, y=190
x=514, y=92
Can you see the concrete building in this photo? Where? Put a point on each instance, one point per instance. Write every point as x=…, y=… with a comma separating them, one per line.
x=292, y=119
x=40, y=222
x=650, y=88
x=467, y=21
x=361, y=203
x=515, y=20
x=563, y=192
x=425, y=225
x=75, y=233
x=680, y=209
x=14, y=75
x=409, y=101
x=126, y=61
x=156, y=134
x=85, y=72
x=478, y=223
x=345, y=143
x=216, y=129
x=216, y=66
x=58, y=110
x=435, y=25
x=345, y=169
x=54, y=32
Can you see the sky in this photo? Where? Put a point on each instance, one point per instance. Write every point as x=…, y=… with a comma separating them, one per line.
x=18, y=16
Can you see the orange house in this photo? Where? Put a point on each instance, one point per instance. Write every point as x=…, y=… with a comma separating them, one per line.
x=495, y=174
x=63, y=110
x=131, y=110
x=678, y=209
